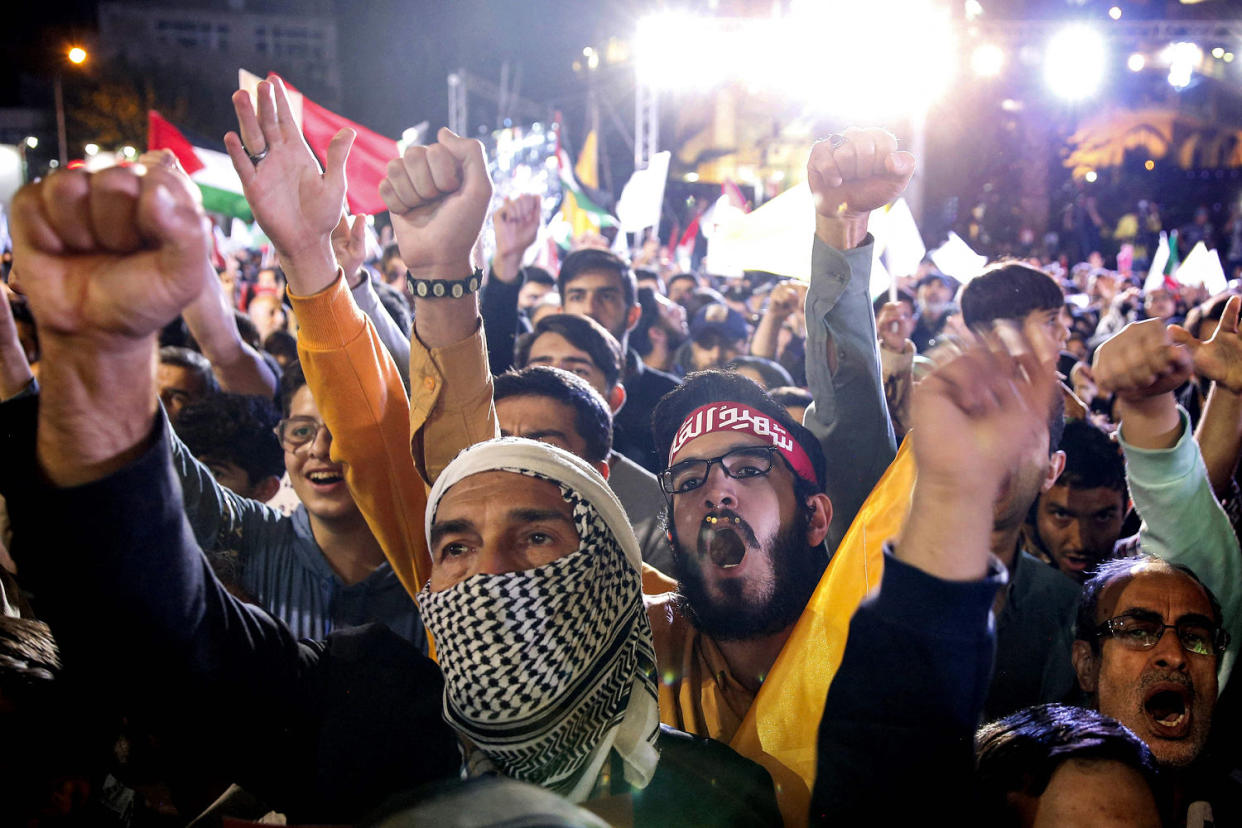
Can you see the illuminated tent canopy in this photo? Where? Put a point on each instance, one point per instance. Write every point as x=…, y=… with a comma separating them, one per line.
x=1103, y=140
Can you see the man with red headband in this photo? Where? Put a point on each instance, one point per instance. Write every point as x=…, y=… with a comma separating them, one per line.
x=755, y=508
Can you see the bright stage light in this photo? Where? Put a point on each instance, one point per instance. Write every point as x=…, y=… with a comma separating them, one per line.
x=1075, y=62
x=1183, y=58
x=880, y=45
x=1091, y=176
x=1115, y=12
x=91, y=149
x=1218, y=53
x=1136, y=62
x=31, y=142
x=1149, y=165
x=987, y=60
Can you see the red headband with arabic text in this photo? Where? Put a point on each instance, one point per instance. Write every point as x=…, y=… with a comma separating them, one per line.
x=732, y=416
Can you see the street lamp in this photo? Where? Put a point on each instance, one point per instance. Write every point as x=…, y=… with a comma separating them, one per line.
x=77, y=56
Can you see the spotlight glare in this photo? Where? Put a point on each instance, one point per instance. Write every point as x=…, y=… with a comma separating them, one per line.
x=1183, y=59
x=91, y=149
x=1115, y=12
x=987, y=60
x=1228, y=57
x=1136, y=62
x=31, y=142
x=1075, y=62
x=77, y=55
x=1091, y=176
x=1218, y=53
x=1149, y=165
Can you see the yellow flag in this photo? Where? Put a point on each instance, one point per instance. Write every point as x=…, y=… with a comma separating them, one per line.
x=587, y=168
x=782, y=726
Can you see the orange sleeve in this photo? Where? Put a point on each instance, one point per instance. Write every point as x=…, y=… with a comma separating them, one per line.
x=359, y=392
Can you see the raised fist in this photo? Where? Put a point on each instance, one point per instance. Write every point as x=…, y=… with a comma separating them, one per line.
x=438, y=196
x=1142, y=361
x=983, y=408
x=786, y=298
x=894, y=324
x=349, y=245
x=517, y=225
x=109, y=256
x=865, y=171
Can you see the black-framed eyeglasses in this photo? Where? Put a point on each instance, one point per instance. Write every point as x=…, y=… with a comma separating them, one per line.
x=740, y=463
x=1138, y=633
x=295, y=432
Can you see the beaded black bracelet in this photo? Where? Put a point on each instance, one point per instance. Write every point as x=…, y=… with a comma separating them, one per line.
x=443, y=288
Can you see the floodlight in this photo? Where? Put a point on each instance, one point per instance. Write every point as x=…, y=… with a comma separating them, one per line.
x=1183, y=58
x=31, y=142
x=1075, y=62
x=1218, y=52
x=77, y=55
x=1091, y=176
x=1115, y=12
x=987, y=60
x=91, y=149
x=1136, y=62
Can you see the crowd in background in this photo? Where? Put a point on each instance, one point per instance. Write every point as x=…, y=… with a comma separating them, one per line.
x=312, y=425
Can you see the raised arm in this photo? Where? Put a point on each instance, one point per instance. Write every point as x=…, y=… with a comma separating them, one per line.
x=353, y=379
x=927, y=636
x=516, y=225
x=1182, y=520
x=849, y=415
x=349, y=242
x=15, y=373
x=438, y=197
x=1220, y=428
x=238, y=367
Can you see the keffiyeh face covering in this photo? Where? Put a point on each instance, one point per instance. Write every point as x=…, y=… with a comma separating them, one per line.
x=548, y=669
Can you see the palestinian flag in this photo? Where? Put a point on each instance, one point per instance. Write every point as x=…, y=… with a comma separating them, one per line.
x=368, y=160
x=212, y=171
x=579, y=212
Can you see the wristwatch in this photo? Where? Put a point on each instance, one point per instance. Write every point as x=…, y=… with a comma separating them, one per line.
x=443, y=288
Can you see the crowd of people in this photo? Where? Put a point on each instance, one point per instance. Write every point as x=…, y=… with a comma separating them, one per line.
x=410, y=538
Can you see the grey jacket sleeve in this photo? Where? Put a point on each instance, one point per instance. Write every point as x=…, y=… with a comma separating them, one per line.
x=849, y=414
x=395, y=342
x=221, y=519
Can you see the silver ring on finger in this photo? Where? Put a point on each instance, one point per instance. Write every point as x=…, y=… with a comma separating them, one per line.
x=256, y=157
x=836, y=139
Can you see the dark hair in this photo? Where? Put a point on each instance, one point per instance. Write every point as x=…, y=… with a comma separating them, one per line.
x=282, y=343
x=1092, y=459
x=191, y=361
x=592, y=418
x=538, y=275
x=248, y=331
x=1020, y=753
x=290, y=381
x=902, y=296
x=583, y=333
x=774, y=376
x=676, y=276
x=1009, y=290
x=237, y=429
x=1116, y=569
x=700, y=298
x=592, y=259
x=791, y=395
x=704, y=387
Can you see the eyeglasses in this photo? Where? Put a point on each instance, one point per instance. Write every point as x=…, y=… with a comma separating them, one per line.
x=740, y=464
x=1136, y=633
x=295, y=432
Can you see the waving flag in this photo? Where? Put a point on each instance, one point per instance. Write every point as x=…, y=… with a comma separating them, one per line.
x=212, y=171
x=368, y=159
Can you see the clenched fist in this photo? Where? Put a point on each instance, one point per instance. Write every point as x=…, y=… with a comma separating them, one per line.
x=1142, y=361
x=438, y=196
x=860, y=174
x=109, y=256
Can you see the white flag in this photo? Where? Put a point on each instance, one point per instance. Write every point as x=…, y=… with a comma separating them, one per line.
x=956, y=258
x=1155, y=273
x=905, y=248
x=643, y=196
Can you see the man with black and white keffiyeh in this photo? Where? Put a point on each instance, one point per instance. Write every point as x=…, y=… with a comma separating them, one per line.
x=535, y=606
